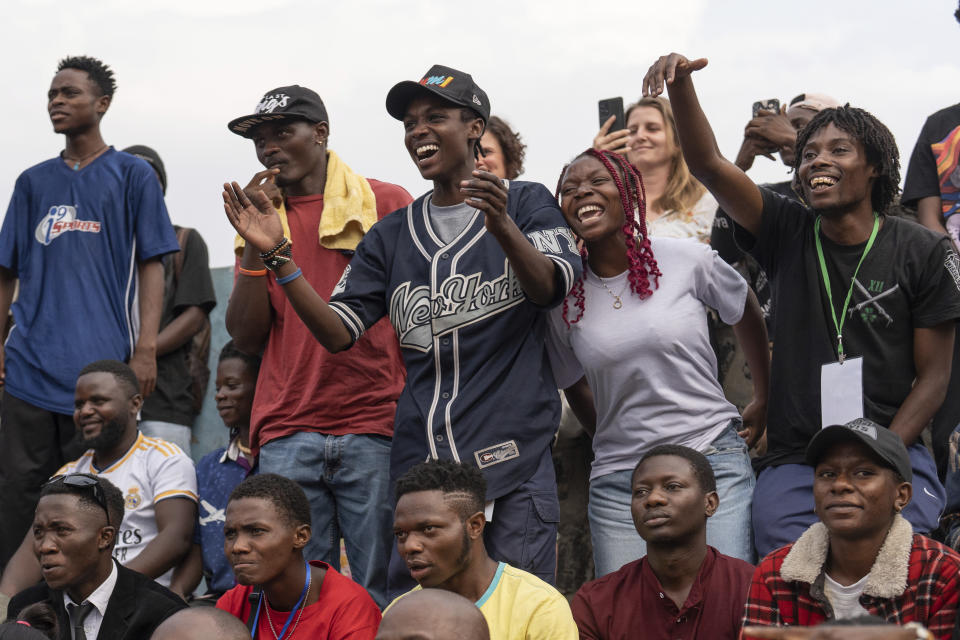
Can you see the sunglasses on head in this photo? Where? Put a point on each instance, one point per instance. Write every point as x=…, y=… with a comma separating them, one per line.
x=84, y=481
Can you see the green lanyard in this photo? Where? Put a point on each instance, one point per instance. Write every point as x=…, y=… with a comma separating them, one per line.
x=826, y=279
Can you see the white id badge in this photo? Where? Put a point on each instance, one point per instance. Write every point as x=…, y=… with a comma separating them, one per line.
x=841, y=392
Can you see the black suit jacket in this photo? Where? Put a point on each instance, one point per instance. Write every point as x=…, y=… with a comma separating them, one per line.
x=136, y=607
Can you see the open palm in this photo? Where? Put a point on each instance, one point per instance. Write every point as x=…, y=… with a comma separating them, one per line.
x=254, y=218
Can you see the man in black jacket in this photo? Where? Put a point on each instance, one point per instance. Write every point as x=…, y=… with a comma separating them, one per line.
x=74, y=531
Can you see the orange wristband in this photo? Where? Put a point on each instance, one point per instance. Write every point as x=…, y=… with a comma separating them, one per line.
x=257, y=273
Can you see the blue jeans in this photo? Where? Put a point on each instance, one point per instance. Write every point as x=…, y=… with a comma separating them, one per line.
x=347, y=480
x=783, y=501
x=615, y=539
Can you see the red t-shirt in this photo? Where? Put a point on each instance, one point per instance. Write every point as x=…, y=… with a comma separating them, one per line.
x=304, y=387
x=345, y=611
x=612, y=607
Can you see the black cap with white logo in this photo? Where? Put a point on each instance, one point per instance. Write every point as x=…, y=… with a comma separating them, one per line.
x=456, y=86
x=282, y=103
x=884, y=443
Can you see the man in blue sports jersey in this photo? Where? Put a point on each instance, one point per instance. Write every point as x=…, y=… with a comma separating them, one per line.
x=465, y=275
x=83, y=235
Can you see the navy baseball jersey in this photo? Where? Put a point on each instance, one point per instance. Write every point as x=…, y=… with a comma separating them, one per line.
x=479, y=386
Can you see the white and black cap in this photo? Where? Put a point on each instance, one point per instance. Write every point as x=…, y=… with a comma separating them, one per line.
x=293, y=102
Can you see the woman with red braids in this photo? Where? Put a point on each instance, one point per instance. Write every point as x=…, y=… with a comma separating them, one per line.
x=633, y=329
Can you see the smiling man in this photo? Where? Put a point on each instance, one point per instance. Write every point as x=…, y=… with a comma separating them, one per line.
x=866, y=303
x=157, y=479
x=324, y=420
x=684, y=588
x=465, y=274
x=439, y=525
x=862, y=558
x=280, y=593
x=82, y=238
x=74, y=532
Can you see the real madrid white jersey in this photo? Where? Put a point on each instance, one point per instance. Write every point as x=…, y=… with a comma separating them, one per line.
x=150, y=471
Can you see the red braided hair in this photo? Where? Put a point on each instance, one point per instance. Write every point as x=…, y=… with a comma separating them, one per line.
x=642, y=267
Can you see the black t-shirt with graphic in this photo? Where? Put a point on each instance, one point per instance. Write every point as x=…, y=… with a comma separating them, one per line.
x=910, y=279
x=934, y=168
x=728, y=238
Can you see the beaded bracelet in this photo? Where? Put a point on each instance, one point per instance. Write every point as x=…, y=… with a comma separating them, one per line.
x=280, y=245
x=290, y=278
x=255, y=273
x=280, y=258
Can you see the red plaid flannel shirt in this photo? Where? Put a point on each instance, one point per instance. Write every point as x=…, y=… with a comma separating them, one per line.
x=930, y=597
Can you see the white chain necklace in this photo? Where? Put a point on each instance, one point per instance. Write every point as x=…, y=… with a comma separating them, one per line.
x=302, y=607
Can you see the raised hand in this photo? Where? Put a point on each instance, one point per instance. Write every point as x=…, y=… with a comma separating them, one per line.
x=667, y=69
x=253, y=216
x=773, y=127
x=617, y=141
x=265, y=181
x=486, y=192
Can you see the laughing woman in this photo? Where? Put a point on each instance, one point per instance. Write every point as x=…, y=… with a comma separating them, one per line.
x=633, y=329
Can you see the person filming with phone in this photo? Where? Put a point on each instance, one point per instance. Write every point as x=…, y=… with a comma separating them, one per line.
x=678, y=206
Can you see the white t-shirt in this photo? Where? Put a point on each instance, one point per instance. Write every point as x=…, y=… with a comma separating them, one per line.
x=695, y=222
x=845, y=601
x=150, y=471
x=649, y=364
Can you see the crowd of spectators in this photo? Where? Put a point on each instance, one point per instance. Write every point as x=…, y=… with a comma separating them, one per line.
x=763, y=373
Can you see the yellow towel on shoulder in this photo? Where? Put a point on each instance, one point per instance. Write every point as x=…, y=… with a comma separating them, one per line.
x=349, y=208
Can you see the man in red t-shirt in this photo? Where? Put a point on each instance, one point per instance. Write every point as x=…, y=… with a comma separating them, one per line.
x=324, y=420
x=266, y=529
x=682, y=589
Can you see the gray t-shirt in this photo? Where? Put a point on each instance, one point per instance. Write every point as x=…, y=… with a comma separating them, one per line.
x=448, y=222
x=649, y=363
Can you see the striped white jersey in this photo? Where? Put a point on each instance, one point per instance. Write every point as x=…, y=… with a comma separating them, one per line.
x=150, y=471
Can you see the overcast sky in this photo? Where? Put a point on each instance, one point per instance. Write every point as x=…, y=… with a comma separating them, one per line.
x=186, y=67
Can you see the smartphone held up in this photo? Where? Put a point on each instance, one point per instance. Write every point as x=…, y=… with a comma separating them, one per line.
x=612, y=107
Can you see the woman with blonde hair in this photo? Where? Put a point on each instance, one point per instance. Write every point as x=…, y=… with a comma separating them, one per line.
x=679, y=206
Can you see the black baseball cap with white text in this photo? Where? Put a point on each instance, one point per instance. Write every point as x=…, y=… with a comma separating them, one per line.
x=292, y=102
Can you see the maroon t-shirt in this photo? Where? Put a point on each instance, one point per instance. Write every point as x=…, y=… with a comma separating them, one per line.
x=304, y=387
x=617, y=605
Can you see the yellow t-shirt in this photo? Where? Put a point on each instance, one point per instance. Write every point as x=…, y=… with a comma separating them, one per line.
x=520, y=606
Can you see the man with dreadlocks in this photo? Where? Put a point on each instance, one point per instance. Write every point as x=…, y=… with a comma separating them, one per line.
x=465, y=274
x=634, y=325
x=866, y=303
x=84, y=235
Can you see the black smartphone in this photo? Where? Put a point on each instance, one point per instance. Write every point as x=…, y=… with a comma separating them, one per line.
x=772, y=105
x=612, y=107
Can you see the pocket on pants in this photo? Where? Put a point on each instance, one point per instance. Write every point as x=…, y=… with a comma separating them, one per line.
x=540, y=537
x=729, y=441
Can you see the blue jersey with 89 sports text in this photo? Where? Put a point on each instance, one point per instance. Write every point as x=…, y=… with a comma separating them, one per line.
x=479, y=387
x=73, y=238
